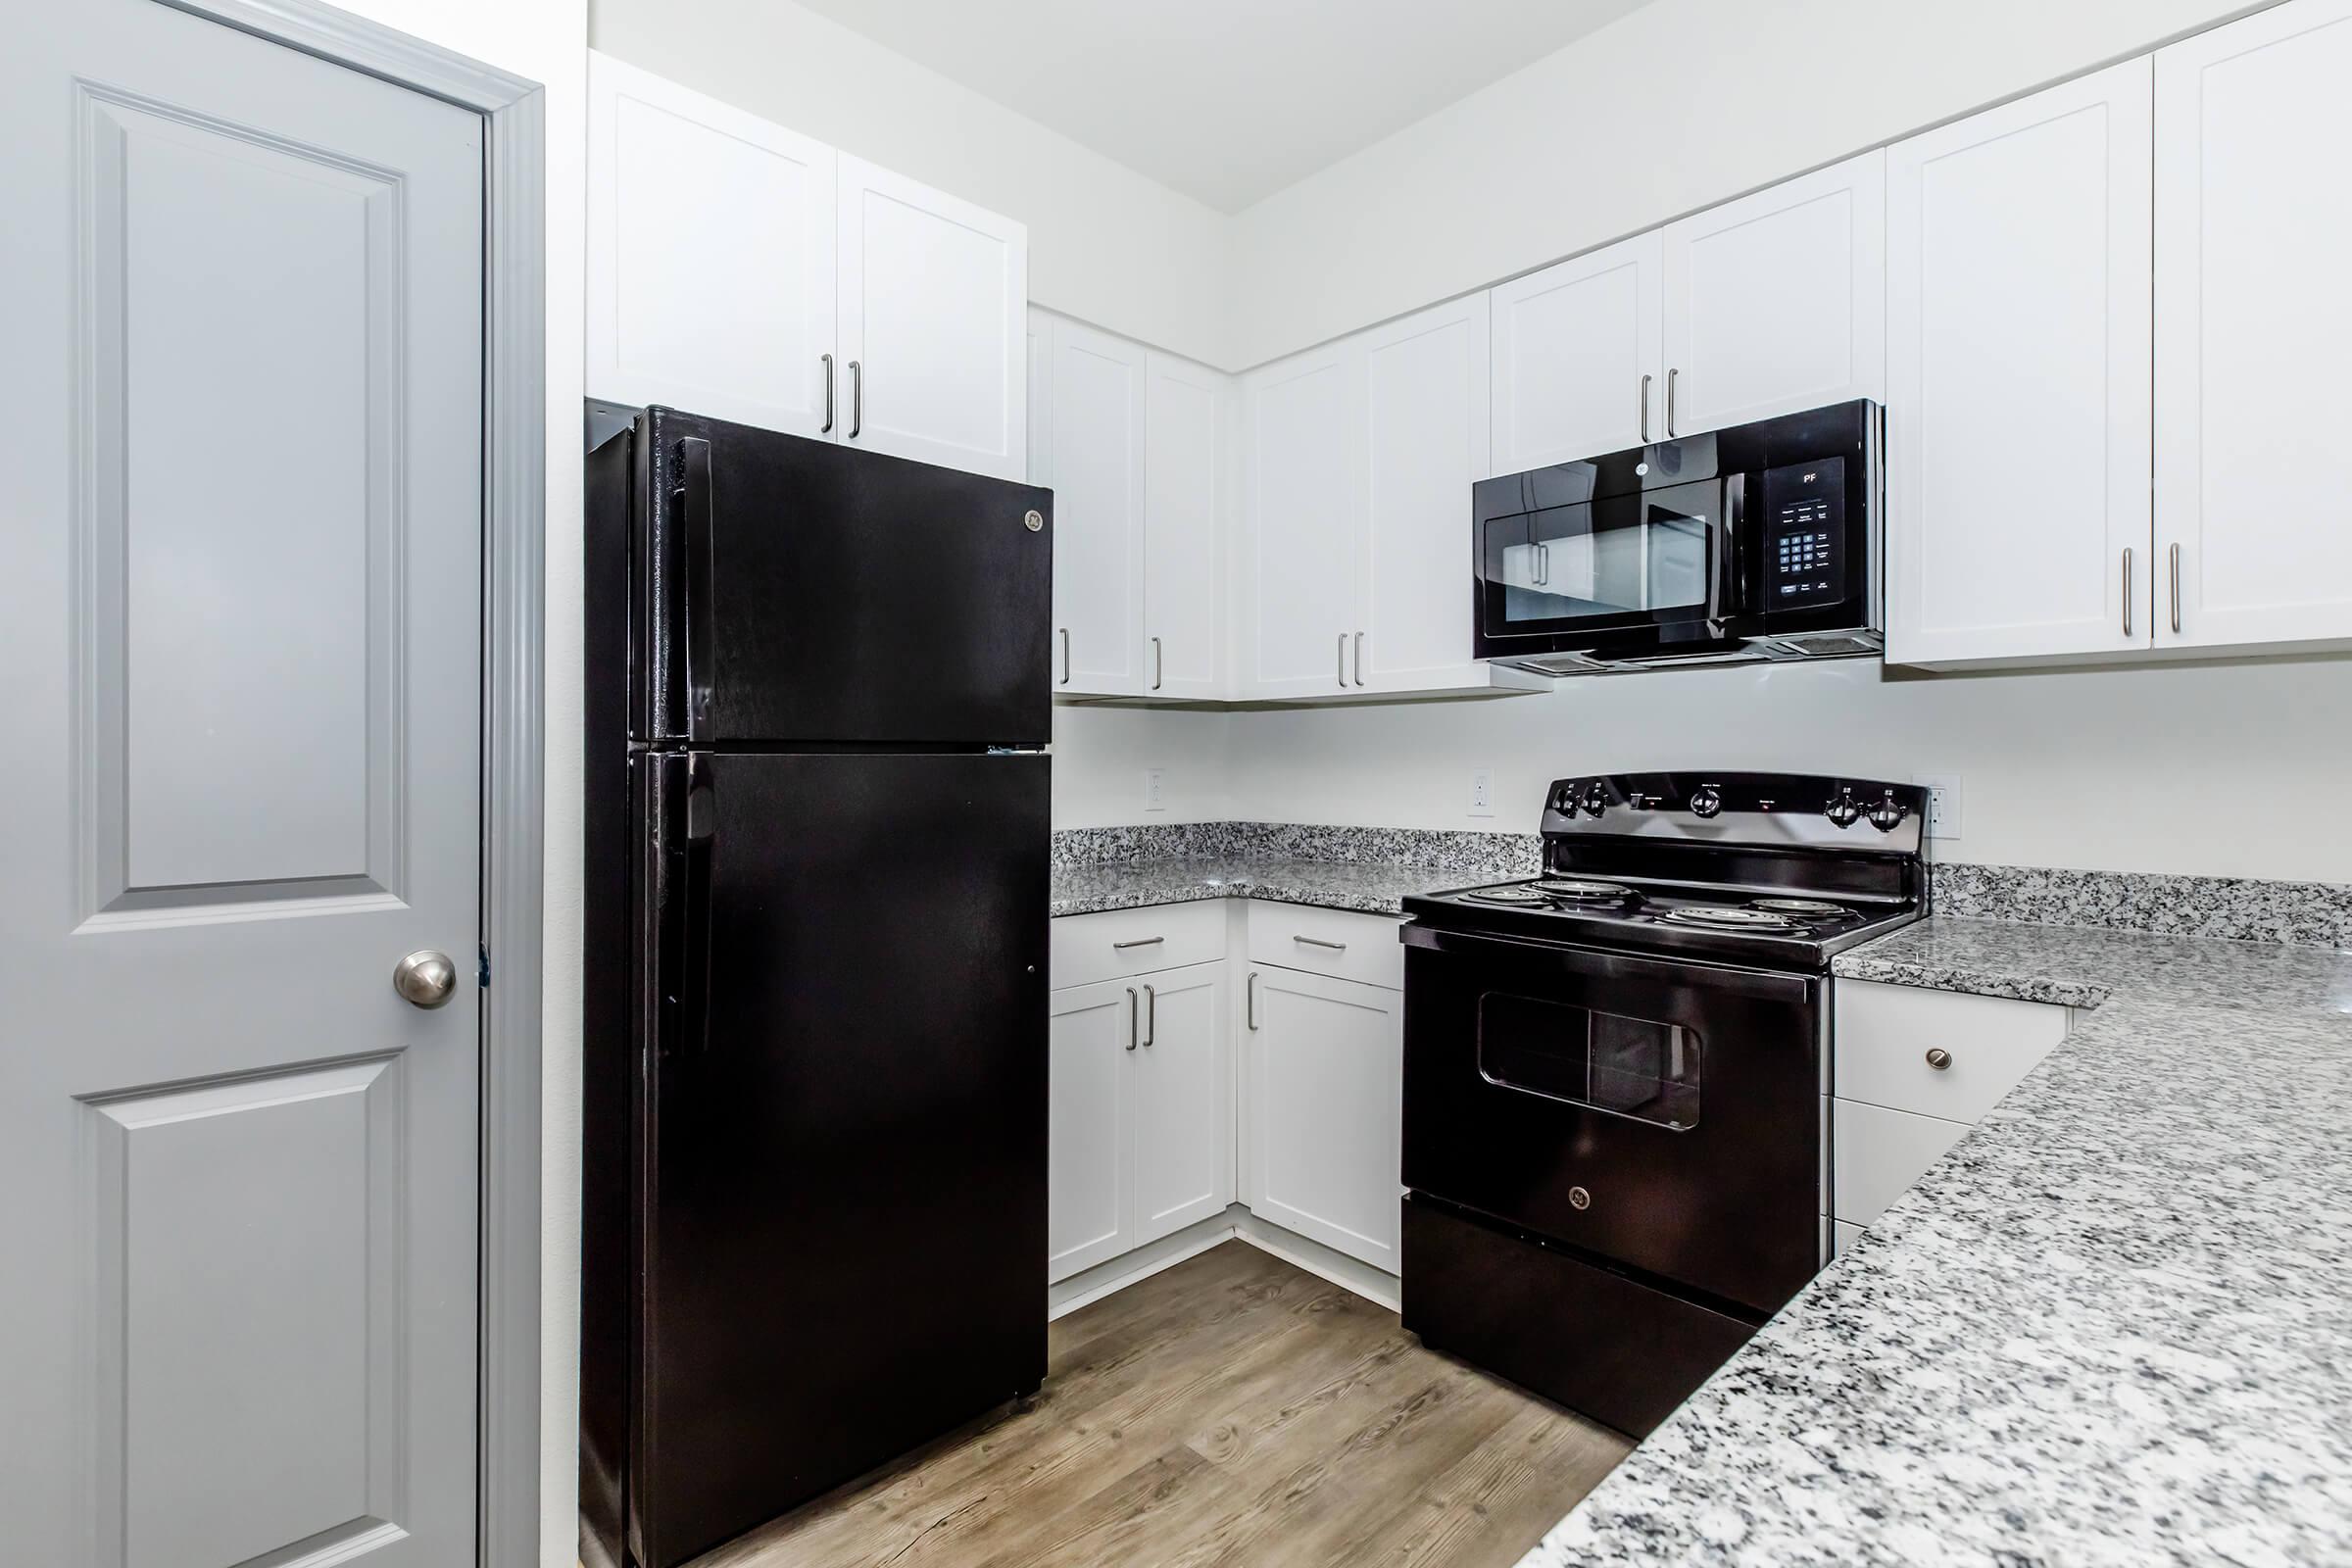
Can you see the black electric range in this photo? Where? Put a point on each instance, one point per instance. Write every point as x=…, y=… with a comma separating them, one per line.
x=1616, y=1075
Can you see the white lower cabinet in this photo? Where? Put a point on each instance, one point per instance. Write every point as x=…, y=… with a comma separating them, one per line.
x=1140, y=1112
x=1323, y=1096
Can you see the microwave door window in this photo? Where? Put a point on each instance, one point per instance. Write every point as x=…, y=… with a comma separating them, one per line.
x=1679, y=553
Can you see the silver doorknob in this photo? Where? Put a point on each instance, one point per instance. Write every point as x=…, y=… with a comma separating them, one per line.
x=425, y=978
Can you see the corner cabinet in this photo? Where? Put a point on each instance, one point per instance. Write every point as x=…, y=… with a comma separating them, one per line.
x=812, y=292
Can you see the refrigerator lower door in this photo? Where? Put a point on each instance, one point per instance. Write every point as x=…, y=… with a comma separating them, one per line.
x=843, y=1130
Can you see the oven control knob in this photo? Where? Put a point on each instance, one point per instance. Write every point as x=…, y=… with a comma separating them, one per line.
x=1889, y=813
x=1842, y=811
x=1706, y=801
x=1596, y=799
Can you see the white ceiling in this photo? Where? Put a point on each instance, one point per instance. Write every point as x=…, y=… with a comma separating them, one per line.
x=1225, y=100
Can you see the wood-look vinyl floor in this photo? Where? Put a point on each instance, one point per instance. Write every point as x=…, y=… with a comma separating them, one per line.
x=1233, y=1410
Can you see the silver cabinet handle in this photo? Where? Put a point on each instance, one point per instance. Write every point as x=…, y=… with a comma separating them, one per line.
x=1940, y=1058
x=1672, y=376
x=1150, y=1016
x=857, y=399
x=1138, y=942
x=1342, y=659
x=2175, y=588
x=1131, y=1035
x=1065, y=632
x=826, y=428
x=1318, y=942
x=2126, y=590
x=1360, y=659
x=1160, y=663
x=1646, y=380
x=1249, y=1000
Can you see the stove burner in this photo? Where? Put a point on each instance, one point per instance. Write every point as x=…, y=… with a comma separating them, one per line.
x=1508, y=892
x=1583, y=889
x=1717, y=914
x=1803, y=909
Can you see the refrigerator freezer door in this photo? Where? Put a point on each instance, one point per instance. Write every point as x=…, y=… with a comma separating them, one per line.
x=843, y=1132
x=792, y=591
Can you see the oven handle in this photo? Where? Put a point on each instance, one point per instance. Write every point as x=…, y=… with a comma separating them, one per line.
x=1761, y=985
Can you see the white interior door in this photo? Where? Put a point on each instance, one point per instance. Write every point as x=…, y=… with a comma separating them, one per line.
x=1098, y=468
x=1090, y=1032
x=1187, y=479
x=1303, y=494
x=1424, y=446
x=932, y=296
x=1777, y=303
x=2018, y=377
x=243, y=427
x=2253, y=329
x=1182, y=1094
x=1577, y=357
x=709, y=257
x=1326, y=1087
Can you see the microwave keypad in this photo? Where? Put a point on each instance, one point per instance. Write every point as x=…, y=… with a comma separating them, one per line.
x=1804, y=537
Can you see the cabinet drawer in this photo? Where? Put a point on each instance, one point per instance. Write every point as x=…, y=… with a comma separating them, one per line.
x=1332, y=941
x=1879, y=1153
x=1884, y=1033
x=1087, y=947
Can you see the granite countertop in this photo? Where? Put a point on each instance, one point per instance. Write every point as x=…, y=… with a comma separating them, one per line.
x=1373, y=888
x=2111, y=1326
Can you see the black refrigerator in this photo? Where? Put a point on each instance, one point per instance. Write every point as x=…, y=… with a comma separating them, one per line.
x=815, y=925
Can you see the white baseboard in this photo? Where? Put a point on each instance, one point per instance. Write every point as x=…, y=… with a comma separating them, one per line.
x=1089, y=1285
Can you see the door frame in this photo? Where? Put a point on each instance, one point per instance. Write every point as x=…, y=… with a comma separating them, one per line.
x=513, y=114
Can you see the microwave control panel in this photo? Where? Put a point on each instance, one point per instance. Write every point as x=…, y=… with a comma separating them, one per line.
x=1803, y=536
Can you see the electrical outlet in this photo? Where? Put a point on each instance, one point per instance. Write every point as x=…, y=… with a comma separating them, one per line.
x=1943, y=804
x=1155, y=789
x=1482, y=792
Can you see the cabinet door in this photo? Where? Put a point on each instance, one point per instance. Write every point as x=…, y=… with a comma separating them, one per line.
x=727, y=310
x=933, y=292
x=1576, y=357
x=1090, y=1034
x=1097, y=466
x=1040, y=398
x=2253, y=328
x=1188, y=466
x=1426, y=444
x=1304, y=456
x=1180, y=1096
x=2018, y=378
x=1777, y=303
x=1325, y=1099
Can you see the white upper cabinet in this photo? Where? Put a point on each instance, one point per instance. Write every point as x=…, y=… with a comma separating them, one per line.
x=933, y=292
x=1096, y=393
x=2019, y=378
x=1302, y=496
x=1424, y=440
x=1777, y=303
x=1577, y=358
x=1188, y=470
x=2253, y=330
x=730, y=314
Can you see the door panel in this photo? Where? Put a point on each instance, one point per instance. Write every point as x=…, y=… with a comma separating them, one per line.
x=1326, y=1087
x=2018, y=377
x=1572, y=347
x=243, y=619
x=1098, y=512
x=1089, y=1136
x=1183, y=1098
x=932, y=295
x=2252, y=328
x=1303, y=423
x=709, y=255
x=1777, y=303
x=1187, y=479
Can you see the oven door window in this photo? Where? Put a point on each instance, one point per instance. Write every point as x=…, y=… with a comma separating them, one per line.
x=1632, y=559
x=1634, y=1067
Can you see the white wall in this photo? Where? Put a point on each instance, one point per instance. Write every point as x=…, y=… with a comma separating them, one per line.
x=1106, y=244
x=1100, y=754
x=2222, y=769
x=1679, y=105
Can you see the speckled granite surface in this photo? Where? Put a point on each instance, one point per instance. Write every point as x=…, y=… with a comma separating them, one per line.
x=2315, y=914
x=2113, y=1326
x=1333, y=884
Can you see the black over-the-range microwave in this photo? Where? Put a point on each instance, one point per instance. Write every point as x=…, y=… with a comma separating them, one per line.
x=1762, y=540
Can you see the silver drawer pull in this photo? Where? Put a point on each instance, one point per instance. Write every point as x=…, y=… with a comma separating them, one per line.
x=1940, y=1058
x=1318, y=942
x=1138, y=942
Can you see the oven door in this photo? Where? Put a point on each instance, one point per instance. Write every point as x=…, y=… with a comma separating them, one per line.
x=1662, y=1115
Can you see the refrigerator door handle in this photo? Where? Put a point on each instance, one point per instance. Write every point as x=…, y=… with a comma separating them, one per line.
x=702, y=829
x=693, y=504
